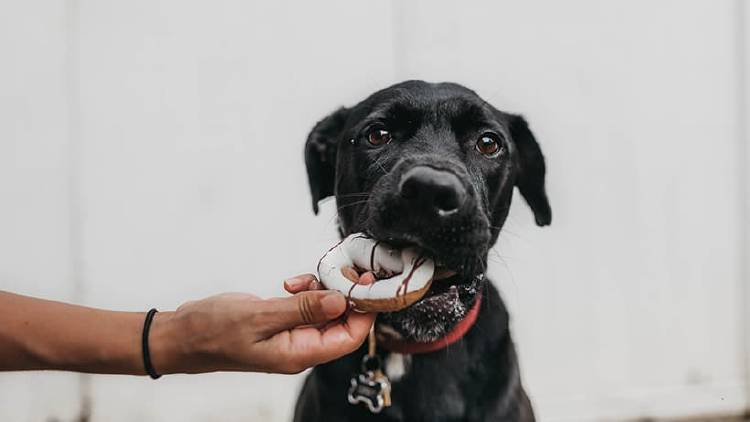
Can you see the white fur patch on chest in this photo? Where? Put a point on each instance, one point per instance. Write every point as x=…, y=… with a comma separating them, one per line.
x=396, y=365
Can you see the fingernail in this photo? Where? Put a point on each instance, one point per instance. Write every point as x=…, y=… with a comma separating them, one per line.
x=333, y=304
x=367, y=278
x=295, y=282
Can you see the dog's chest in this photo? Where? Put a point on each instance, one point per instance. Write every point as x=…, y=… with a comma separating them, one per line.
x=422, y=390
x=396, y=366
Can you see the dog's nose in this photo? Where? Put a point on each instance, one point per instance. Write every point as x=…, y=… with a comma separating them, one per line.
x=432, y=190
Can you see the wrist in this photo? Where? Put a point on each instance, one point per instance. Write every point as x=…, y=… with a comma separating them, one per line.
x=164, y=344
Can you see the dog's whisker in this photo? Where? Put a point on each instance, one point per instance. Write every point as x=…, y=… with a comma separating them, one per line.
x=381, y=167
x=377, y=163
x=353, y=204
x=354, y=195
x=505, y=231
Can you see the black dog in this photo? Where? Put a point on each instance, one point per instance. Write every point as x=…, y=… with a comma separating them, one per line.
x=431, y=165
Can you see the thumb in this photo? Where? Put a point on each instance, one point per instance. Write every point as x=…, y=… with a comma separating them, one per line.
x=306, y=308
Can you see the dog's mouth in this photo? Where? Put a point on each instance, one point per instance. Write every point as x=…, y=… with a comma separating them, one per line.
x=448, y=300
x=433, y=316
x=447, y=295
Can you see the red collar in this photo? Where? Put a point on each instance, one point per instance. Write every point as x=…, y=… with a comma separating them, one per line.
x=413, y=348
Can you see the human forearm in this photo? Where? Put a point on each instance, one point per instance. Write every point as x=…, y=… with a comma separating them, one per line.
x=42, y=334
x=227, y=332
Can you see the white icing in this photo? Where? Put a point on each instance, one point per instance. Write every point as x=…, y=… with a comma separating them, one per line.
x=357, y=250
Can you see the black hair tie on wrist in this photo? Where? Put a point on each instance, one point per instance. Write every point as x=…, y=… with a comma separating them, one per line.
x=144, y=345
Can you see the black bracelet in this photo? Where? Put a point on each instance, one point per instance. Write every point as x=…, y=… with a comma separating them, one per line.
x=144, y=345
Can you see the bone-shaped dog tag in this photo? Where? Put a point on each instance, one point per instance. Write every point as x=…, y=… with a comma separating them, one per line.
x=386, y=383
x=371, y=386
x=369, y=389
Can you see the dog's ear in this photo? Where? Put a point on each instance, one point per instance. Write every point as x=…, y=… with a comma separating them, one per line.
x=320, y=155
x=531, y=169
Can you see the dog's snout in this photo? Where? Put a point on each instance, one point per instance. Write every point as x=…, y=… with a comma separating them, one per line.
x=432, y=191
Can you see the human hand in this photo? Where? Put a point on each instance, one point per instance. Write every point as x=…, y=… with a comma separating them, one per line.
x=242, y=332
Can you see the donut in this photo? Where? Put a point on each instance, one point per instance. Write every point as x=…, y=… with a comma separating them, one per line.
x=402, y=276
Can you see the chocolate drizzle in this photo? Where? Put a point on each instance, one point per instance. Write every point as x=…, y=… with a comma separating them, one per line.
x=403, y=288
x=326, y=254
x=351, y=289
x=372, y=257
x=349, y=302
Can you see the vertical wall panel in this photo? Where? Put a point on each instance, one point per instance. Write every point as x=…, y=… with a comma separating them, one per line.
x=34, y=189
x=629, y=304
x=193, y=124
x=743, y=113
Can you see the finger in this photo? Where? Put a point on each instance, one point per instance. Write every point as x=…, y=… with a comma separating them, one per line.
x=350, y=273
x=301, y=283
x=305, y=347
x=305, y=308
x=367, y=278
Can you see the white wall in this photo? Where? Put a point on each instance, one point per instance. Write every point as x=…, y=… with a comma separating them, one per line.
x=743, y=113
x=35, y=234
x=151, y=153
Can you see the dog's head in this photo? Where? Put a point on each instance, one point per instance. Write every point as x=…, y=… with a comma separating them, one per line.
x=431, y=165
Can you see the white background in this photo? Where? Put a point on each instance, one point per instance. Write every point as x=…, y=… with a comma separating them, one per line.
x=151, y=153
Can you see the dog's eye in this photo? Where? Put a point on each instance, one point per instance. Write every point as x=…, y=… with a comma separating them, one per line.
x=489, y=145
x=378, y=136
